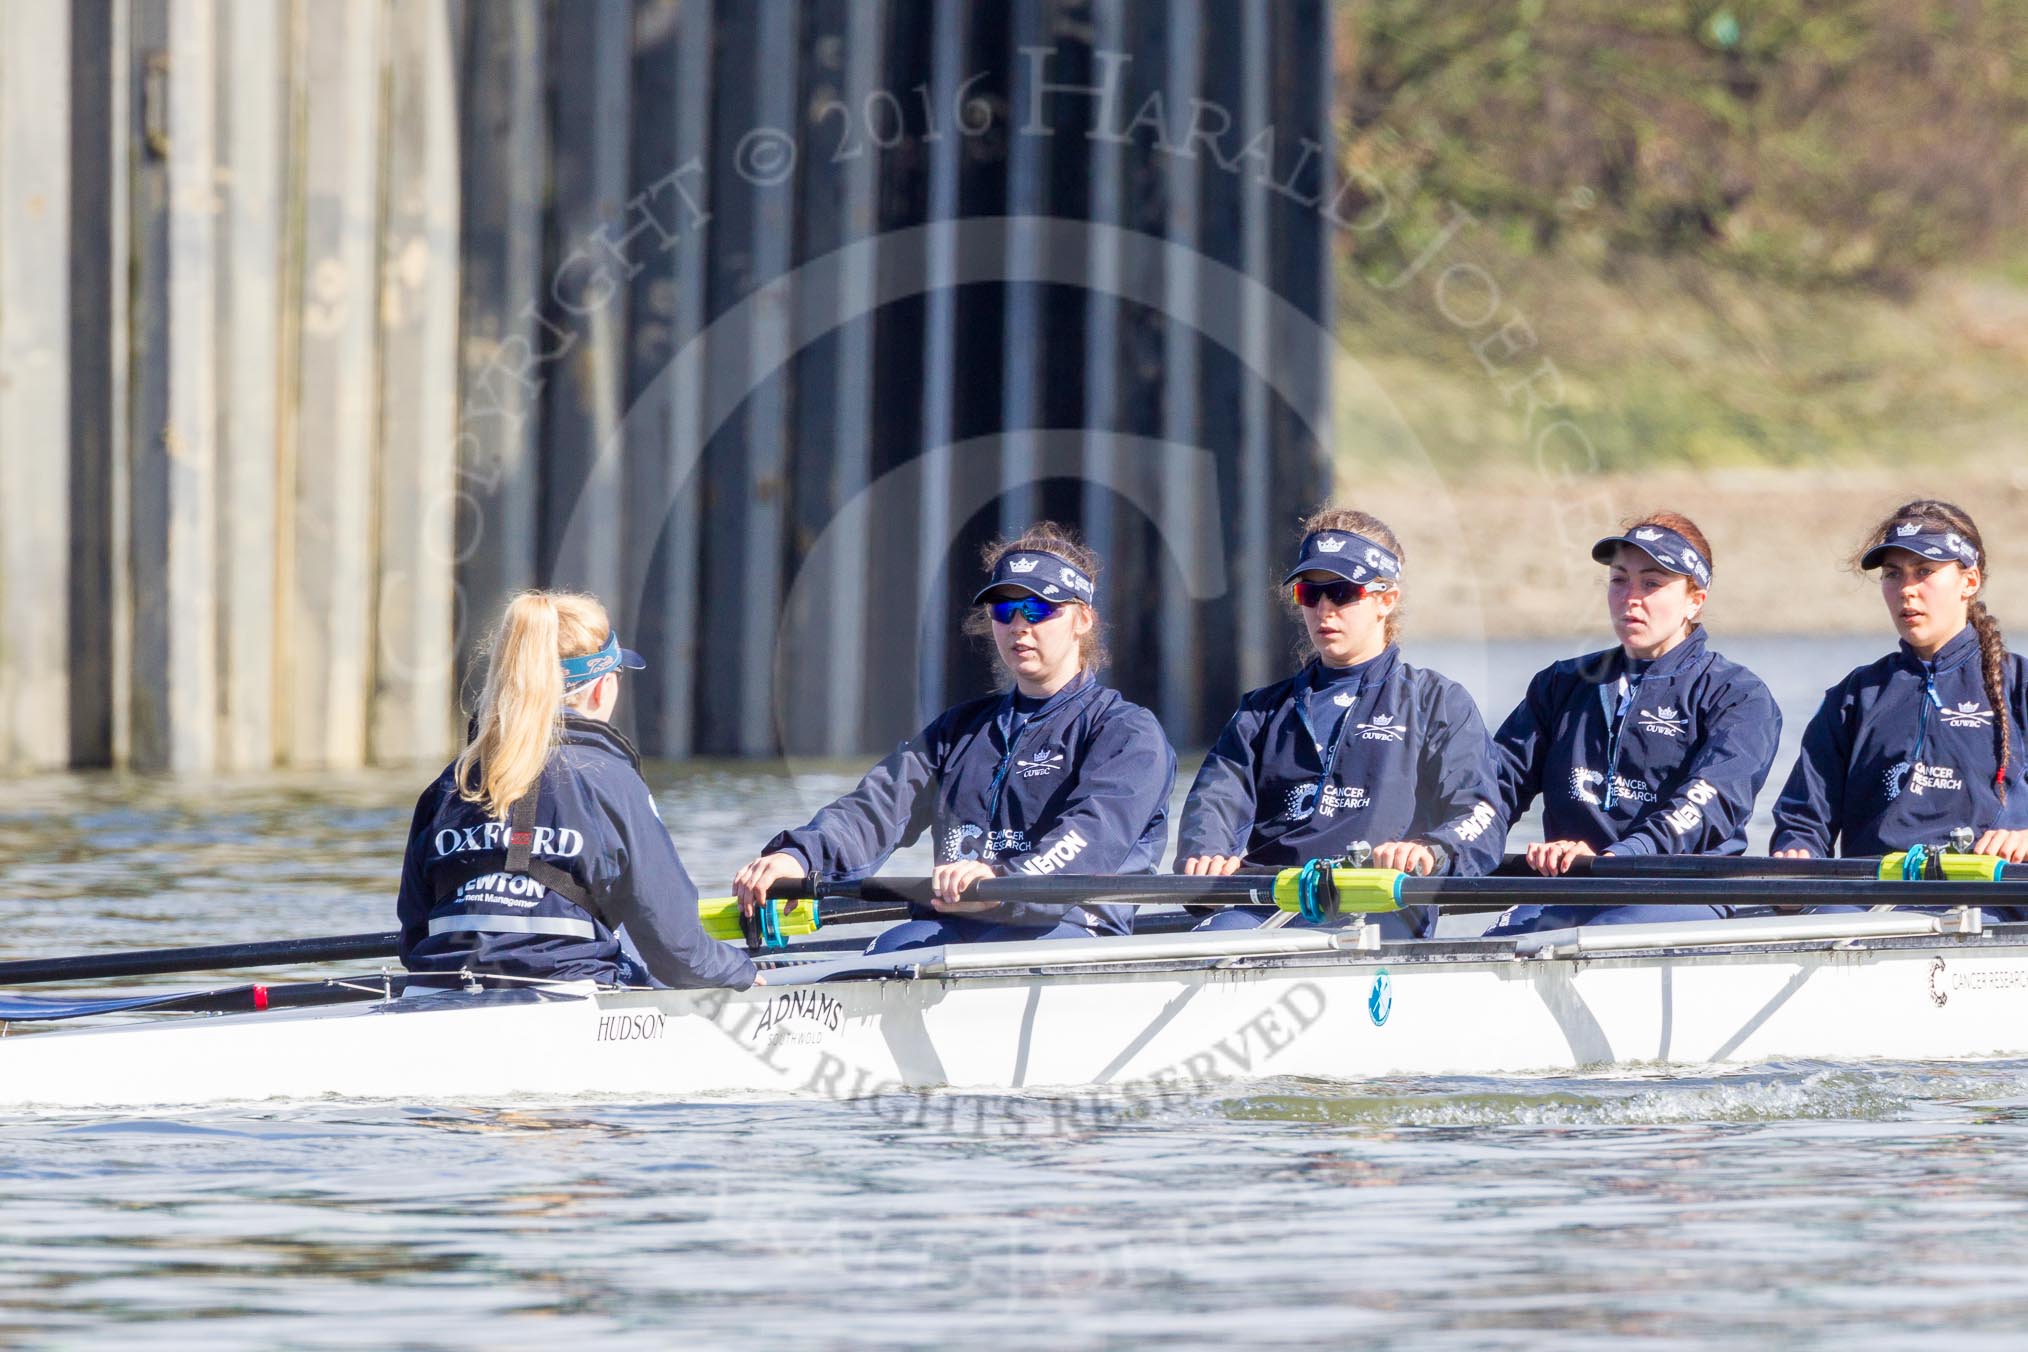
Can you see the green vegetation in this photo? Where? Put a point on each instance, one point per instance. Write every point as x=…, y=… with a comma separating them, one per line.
x=1781, y=234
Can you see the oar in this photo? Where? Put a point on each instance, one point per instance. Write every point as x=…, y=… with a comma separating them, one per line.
x=1929, y=865
x=217, y=1000
x=210, y=958
x=1375, y=891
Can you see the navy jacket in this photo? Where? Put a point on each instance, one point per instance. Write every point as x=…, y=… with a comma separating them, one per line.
x=1694, y=747
x=1884, y=766
x=596, y=821
x=1083, y=787
x=1412, y=762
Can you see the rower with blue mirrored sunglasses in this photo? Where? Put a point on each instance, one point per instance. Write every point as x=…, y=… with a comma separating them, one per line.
x=1338, y=592
x=1030, y=608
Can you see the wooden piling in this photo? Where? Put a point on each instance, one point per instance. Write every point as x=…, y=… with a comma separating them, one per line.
x=99, y=596
x=411, y=702
x=34, y=383
x=328, y=584
x=173, y=536
x=1179, y=682
x=504, y=353
x=584, y=297
x=251, y=92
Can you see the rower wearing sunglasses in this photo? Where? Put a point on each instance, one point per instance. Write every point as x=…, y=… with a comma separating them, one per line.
x=1657, y=746
x=1358, y=747
x=1058, y=774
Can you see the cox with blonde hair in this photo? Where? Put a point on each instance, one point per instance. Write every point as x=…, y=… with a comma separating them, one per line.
x=540, y=845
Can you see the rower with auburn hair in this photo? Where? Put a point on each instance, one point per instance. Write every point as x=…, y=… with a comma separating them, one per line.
x=533, y=850
x=1358, y=747
x=1927, y=739
x=1058, y=774
x=1657, y=746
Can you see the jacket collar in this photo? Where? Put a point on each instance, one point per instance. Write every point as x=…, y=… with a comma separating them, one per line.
x=581, y=731
x=1684, y=654
x=1961, y=648
x=1080, y=685
x=1374, y=669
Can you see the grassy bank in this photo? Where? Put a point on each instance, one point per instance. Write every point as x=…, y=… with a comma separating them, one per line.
x=1760, y=264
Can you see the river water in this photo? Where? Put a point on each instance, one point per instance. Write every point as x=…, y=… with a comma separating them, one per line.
x=1869, y=1205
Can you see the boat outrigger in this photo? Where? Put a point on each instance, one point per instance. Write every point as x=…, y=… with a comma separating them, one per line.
x=1171, y=1008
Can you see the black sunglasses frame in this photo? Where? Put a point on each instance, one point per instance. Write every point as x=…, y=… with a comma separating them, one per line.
x=1341, y=593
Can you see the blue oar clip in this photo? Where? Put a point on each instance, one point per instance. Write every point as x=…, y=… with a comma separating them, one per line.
x=1317, y=892
x=770, y=917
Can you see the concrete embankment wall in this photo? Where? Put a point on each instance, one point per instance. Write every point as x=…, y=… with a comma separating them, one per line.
x=325, y=327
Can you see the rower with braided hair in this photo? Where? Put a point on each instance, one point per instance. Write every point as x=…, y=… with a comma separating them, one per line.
x=1927, y=739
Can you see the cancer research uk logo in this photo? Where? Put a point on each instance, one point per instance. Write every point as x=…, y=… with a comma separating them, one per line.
x=1585, y=785
x=1921, y=777
x=1302, y=800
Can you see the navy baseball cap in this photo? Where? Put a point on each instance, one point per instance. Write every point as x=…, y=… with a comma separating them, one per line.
x=1039, y=573
x=1664, y=546
x=579, y=671
x=1345, y=554
x=1945, y=546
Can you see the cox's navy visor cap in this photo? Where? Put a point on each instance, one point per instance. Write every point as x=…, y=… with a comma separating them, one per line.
x=579, y=670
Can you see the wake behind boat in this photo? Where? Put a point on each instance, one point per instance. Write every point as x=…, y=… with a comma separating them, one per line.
x=1146, y=1010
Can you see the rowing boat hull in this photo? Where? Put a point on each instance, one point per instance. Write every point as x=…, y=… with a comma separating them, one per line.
x=1328, y=1014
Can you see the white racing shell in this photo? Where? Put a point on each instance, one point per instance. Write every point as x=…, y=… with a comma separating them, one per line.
x=1148, y=1010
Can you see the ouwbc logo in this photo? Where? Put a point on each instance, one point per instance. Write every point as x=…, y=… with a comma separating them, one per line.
x=1383, y=728
x=1666, y=721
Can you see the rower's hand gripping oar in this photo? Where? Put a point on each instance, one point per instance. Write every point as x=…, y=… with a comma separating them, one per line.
x=1920, y=863
x=1316, y=892
x=1320, y=893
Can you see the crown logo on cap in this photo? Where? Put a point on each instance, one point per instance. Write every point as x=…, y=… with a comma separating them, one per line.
x=1330, y=544
x=1647, y=533
x=1023, y=565
x=1909, y=528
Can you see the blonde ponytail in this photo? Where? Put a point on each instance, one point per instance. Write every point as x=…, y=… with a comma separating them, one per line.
x=520, y=719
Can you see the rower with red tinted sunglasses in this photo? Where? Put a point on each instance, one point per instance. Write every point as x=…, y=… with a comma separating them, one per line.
x=1357, y=747
x=1057, y=774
